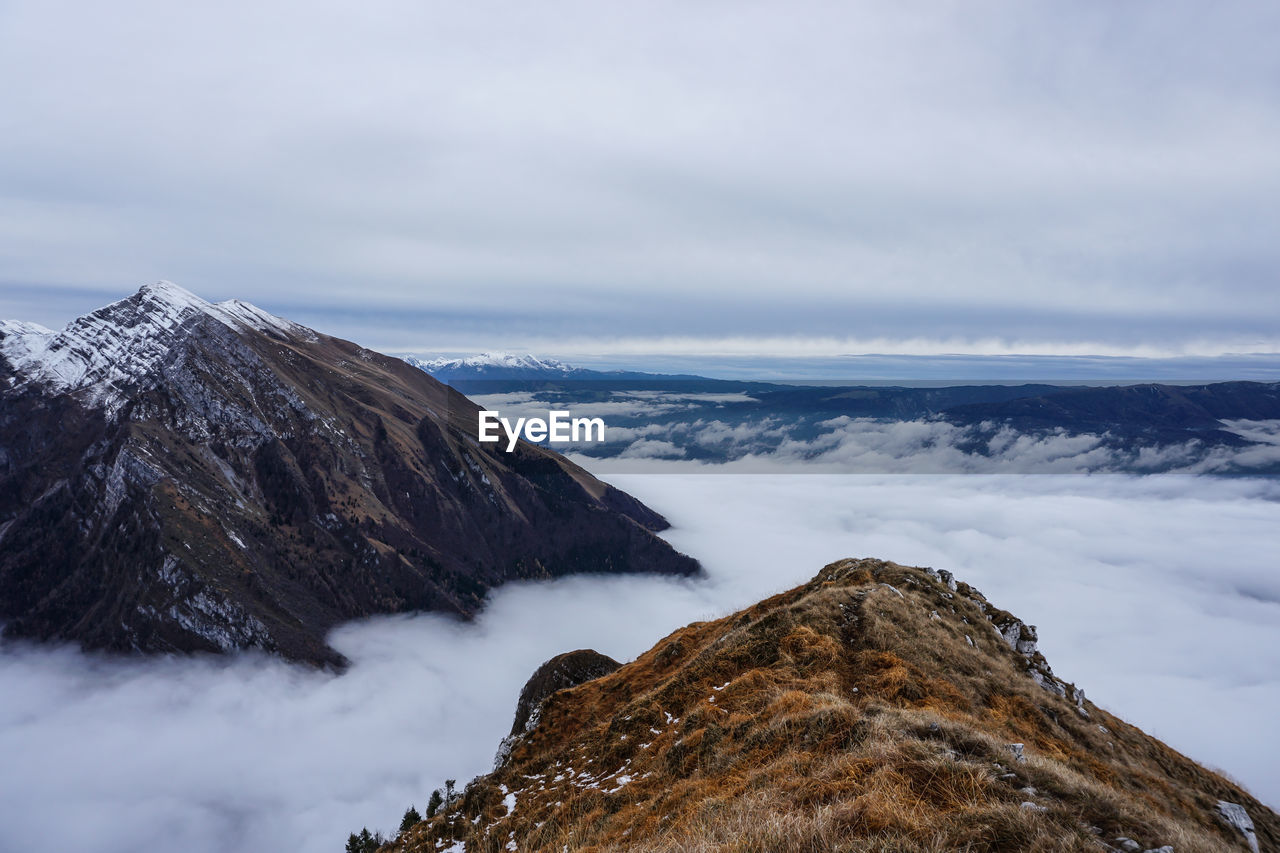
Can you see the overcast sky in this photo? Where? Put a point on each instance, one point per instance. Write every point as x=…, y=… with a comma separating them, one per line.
x=810, y=178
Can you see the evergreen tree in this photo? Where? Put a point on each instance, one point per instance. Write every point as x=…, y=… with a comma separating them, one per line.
x=364, y=842
x=433, y=804
x=410, y=820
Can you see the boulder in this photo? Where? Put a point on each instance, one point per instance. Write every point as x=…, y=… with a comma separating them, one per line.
x=562, y=671
x=1234, y=816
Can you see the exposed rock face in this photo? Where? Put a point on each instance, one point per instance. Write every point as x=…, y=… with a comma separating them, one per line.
x=840, y=715
x=177, y=475
x=1021, y=637
x=561, y=672
x=1234, y=815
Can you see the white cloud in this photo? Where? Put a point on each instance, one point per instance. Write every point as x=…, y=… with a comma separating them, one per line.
x=651, y=449
x=875, y=446
x=1159, y=596
x=1264, y=432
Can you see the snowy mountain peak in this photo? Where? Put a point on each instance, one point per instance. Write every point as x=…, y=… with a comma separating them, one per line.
x=169, y=293
x=507, y=359
x=119, y=344
x=487, y=363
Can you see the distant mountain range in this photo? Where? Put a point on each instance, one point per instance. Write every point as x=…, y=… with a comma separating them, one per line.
x=494, y=372
x=1223, y=427
x=497, y=365
x=1140, y=409
x=179, y=475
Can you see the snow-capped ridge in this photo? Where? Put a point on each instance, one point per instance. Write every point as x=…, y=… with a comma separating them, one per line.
x=236, y=311
x=22, y=328
x=171, y=295
x=119, y=344
x=493, y=359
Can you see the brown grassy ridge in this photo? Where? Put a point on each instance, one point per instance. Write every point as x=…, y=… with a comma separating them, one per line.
x=870, y=709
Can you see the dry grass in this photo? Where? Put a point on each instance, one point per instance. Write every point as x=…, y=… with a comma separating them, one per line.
x=838, y=716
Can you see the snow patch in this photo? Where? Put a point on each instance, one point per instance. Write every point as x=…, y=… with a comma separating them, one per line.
x=508, y=800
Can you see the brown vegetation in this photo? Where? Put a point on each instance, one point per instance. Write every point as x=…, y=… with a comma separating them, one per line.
x=852, y=713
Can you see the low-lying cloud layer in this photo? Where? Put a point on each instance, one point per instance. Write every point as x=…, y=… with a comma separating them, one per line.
x=1159, y=596
x=699, y=427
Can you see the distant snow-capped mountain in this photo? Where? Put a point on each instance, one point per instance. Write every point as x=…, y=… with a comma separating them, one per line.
x=491, y=372
x=499, y=365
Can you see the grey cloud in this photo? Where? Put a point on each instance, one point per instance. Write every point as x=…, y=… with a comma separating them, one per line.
x=1097, y=176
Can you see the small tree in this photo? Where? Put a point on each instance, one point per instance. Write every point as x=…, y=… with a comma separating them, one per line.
x=410, y=820
x=450, y=797
x=364, y=842
x=433, y=804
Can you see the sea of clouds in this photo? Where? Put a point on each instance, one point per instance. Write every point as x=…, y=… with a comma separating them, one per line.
x=644, y=425
x=1159, y=595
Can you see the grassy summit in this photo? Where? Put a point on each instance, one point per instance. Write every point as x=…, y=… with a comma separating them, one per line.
x=877, y=707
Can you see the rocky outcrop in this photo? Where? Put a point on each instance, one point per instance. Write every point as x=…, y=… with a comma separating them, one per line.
x=177, y=475
x=560, y=673
x=1021, y=637
x=1234, y=816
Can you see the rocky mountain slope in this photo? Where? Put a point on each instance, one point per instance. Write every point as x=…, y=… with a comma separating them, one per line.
x=177, y=475
x=875, y=708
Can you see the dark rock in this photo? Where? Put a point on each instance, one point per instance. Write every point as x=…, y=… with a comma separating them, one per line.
x=561, y=672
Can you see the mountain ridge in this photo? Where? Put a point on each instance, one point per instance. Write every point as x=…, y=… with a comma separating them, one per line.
x=876, y=707
x=502, y=371
x=178, y=475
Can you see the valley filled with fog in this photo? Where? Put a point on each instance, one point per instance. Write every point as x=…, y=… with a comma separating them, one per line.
x=1159, y=596
x=773, y=428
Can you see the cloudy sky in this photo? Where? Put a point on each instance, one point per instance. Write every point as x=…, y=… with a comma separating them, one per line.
x=810, y=178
